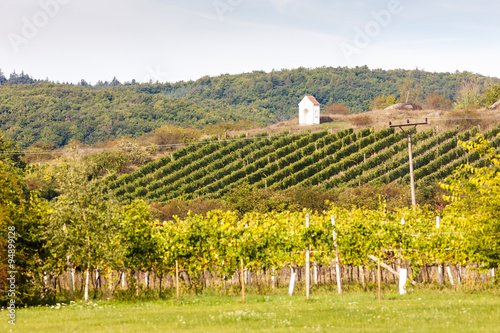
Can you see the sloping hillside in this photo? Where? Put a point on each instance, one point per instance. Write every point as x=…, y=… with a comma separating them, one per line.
x=321, y=159
x=34, y=111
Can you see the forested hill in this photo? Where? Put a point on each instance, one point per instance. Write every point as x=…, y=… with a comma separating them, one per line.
x=40, y=111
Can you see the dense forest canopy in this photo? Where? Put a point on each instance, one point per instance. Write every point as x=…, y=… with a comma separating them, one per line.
x=34, y=111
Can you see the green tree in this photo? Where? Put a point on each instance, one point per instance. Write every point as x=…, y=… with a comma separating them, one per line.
x=383, y=101
x=437, y=102
x=138, y=236
x=21, y=214
x=469, y=95
x=10, y=155
x=492, y=95
x=83, y=223
x=475, y=203
x=410, y=91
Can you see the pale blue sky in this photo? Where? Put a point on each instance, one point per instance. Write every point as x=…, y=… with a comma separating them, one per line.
x=166, y=40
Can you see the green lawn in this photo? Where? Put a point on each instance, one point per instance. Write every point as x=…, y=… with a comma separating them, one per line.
x=421, y=311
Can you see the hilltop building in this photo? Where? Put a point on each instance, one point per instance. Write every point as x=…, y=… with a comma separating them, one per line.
x=309, y=111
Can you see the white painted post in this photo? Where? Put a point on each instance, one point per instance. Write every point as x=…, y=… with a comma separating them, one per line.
x=399, y=261
x=337, y=262
x=293, y=275
x=123, y=280
x=315, y=273
x=71, y=273
x=493, y=274
x=98, y=285
x=403, y=274
x=448, y=270
x=73, y=278
x=440, y=270
x=308, y=272
x=86, y=292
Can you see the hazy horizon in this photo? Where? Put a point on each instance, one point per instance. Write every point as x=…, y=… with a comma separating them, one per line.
x=169, y=41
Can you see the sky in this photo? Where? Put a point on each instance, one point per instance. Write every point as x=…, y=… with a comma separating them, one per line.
x=170, y=41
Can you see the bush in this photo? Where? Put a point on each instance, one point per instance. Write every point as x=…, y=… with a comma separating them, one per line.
x=325, y=119
x=437, y=102
x=361, y=121
x=170, y=135
x=407, y=106
x=465, y=120
x=492, y=95
x=381, y=102
x=337, y=108
x=180, y=208
x=468, y=96
x=370, y=196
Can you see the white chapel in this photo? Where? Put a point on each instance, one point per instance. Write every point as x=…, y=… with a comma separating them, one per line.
x=309, y=111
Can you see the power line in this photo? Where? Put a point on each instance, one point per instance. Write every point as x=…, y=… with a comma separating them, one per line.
x=173, y=145
x=184, y=145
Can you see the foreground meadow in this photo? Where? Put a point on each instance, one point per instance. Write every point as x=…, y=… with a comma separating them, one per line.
x=420, y=311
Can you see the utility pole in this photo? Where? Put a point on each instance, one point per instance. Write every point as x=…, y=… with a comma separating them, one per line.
x=410, y=156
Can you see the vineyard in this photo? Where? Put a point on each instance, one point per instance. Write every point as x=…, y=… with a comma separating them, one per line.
x=88, y=240
x=322, y=159
x=220, y=249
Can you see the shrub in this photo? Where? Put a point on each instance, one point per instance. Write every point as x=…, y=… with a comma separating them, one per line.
x=437, y=102
x=465, y=120
x=325, y=119
x=492, y=95
x=180, y=208
x=361, y=121
x=407, y=106
x=337, y=108
x=469, y=96
x=381, y=102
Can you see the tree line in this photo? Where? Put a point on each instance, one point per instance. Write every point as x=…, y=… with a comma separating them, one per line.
x=47, y=114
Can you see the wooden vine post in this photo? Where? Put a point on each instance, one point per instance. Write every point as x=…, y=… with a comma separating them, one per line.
x=242, y=276
x=308, y=270
x=177, y=278
x=379, y=278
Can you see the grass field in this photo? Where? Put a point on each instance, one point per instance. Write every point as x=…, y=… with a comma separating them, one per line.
x=420, y=311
